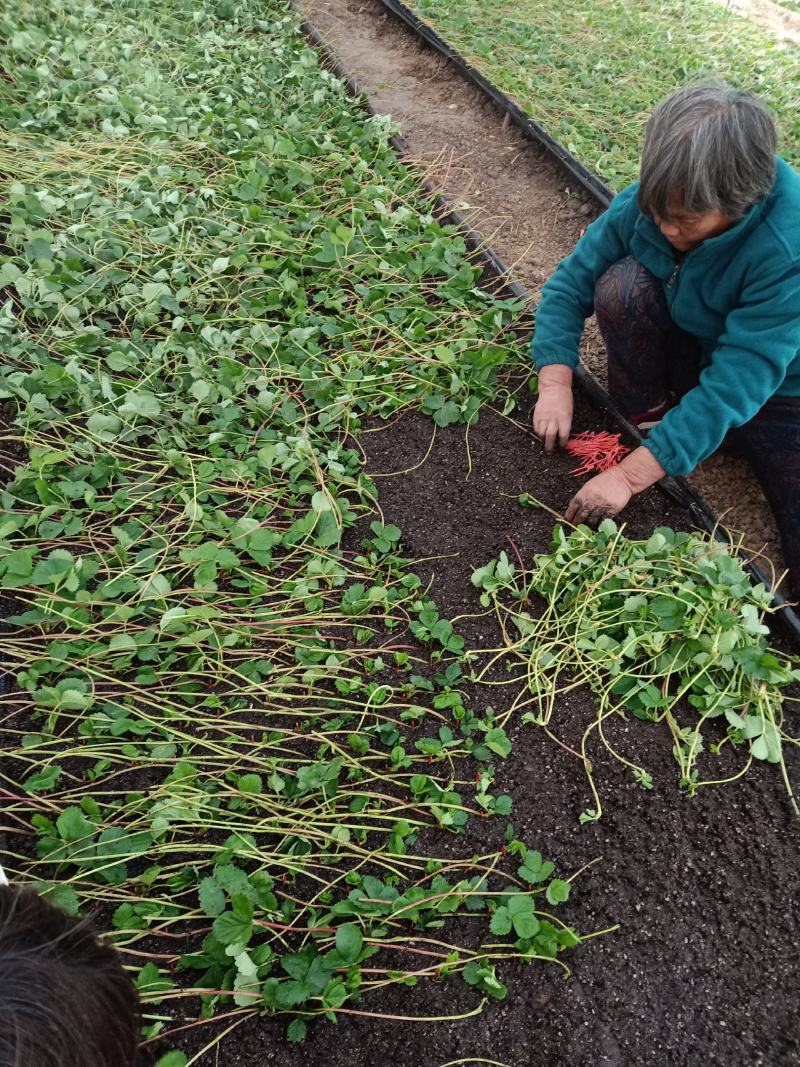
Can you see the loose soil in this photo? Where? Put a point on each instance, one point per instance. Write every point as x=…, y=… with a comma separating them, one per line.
x=508, y=189
x=704, y=968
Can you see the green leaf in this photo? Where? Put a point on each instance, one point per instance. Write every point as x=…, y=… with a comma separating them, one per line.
x=335, y=993
x=768, y=745
x=60, y=896
x=349, y=942
x=42, y=780
x=122, y=643
x=520, y=910
x=151, y=980
x=290, y=994
x=327, y=531
x=558, y=891
x=72, y=825
x=212, y=897
x=249, y=783
x=104, y=426
x=246, y=983
x=235, y=927
x=501, y=921
x=276, y=782
x=155, y=586
x=172, y=1059
x=119, y=361
x=296, y=1031
x=535, y=869
x=525, y=925
x=116, y=841
x=9, y=272
x=140, y=405
x=498, y=742
x=482, y=975
x=151, y=291
x=447, y=414
x=49, y=571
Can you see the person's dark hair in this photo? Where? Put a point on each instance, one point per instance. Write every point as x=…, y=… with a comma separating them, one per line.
x=712, y=145
x=65, y=999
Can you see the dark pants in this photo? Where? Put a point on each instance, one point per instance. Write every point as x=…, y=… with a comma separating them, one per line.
x=651, y=362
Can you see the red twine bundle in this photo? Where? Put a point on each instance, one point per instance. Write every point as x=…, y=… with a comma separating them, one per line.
x=599, y=451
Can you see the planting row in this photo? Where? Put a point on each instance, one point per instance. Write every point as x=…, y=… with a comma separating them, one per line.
x=239, y=730
x=237, y=713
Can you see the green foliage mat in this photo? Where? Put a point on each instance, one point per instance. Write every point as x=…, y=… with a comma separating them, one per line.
x=224, y=736
x=591, y=72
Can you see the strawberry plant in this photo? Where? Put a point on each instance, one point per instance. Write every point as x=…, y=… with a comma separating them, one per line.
x=235, y=727
x=669, y=629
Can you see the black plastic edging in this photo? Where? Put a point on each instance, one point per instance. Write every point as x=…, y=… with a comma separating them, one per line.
x=676, y=488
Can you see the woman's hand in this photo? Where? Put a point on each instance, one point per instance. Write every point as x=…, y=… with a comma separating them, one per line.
x=601, y=498
x=552, y=416
x=607, y=494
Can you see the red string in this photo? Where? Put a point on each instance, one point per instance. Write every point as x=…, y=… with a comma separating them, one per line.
x=599, y=451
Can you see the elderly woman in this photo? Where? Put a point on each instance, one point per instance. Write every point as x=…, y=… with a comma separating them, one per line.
x=694, y=276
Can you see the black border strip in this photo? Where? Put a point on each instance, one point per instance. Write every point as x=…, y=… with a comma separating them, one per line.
x=677, y=488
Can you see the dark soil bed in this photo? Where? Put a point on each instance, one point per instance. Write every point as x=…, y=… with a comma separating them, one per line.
x=704, y=967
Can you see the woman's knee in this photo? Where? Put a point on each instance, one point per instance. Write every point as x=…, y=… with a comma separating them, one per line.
x=771, y=442
x=627, y=288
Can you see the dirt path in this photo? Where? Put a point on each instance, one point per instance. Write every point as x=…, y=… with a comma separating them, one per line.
x=508, y=189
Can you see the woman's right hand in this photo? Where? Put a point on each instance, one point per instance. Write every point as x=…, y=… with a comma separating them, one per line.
x=552, y=416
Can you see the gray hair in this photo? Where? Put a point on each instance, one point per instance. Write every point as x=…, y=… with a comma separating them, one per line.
x=710, y=144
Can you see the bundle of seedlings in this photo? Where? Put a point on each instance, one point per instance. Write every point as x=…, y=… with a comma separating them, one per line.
x=669, y=629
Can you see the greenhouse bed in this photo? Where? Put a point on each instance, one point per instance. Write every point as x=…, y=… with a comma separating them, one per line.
x=676, y=488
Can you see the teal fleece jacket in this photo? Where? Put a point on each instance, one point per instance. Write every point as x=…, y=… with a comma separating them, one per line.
x=738, y=293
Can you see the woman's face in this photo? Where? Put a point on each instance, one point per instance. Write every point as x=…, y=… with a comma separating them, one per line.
x=685, y=230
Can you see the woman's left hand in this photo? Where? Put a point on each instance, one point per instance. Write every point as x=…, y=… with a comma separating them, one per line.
x=601, y=498
x=607, y=494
